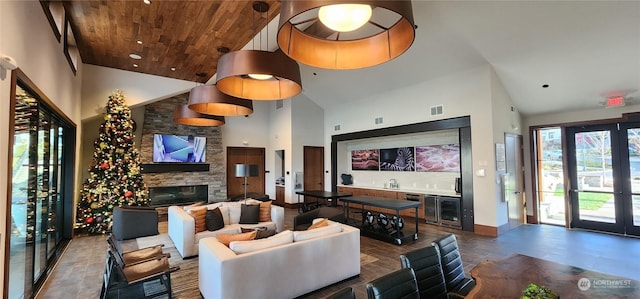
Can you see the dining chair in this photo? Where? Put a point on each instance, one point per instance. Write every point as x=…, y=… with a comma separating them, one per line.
x=346, y=293
x=427, y=267
x=400, y=284
x=455, y=279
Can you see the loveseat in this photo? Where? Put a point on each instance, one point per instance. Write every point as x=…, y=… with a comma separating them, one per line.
x=304, y=261
x=182, y=229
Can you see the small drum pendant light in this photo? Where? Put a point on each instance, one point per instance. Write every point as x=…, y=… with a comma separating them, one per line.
x=256, y=74
x=370, y=32
x=185, y=116
x=207, y=99
x=235, y=68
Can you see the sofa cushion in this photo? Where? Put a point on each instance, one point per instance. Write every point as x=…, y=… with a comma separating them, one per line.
x=224, y=210
x=228, y=238
x=331, y=228
x=193, y=205
x=318, y=223
x=228, y=229
x=284, y=237
x=214, y=220
x=199, y=217
x=265, y=211
x=249, y=214
x=262, y=231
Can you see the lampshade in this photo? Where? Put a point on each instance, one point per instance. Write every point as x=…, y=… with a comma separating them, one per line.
x=207, y=99
x=185, y=116
x=387, y=34
x=246, y=170
x=234, y=69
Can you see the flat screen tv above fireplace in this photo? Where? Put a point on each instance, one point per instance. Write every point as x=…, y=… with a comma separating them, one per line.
x=178, y=149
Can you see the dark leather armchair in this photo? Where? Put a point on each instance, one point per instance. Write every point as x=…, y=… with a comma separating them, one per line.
x=399, y=284
x=304, y=220
x=425, y=263
x=457, y=282
x=134, y=222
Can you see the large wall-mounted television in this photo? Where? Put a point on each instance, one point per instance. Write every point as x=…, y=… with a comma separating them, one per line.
x=178, y=149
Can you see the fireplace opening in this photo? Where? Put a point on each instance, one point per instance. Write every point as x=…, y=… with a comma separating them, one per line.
x=178, y=195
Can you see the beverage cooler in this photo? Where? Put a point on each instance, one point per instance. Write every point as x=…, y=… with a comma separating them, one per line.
x=443, y=210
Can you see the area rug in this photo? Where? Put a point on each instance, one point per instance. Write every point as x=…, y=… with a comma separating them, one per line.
x=184, y=282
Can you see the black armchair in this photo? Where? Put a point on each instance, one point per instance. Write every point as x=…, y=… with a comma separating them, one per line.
x=304, y=220
x=425, y=262
x=134, y=222
x=399, y=284
x=457, y=282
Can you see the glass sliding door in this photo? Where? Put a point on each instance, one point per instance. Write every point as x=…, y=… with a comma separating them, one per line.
x=41, y=190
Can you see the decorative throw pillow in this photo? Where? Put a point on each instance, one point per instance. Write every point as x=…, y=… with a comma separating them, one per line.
x=282, y=238
x=249, y=214
x=265, y=212
x=261, y=232
x=228, y=238
x=319, y=223
x=199, y=216
x=214, y=220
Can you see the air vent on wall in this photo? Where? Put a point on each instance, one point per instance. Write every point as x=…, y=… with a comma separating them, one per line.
x=279, y=104
x=378, y=120
x=336, y=128
x=436, y=110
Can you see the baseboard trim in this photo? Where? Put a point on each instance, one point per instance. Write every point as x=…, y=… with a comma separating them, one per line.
x=483, y=230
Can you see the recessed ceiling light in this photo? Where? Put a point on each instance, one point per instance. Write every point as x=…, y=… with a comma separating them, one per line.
x=173, y=68
x=139, y=42
x=545, y=85
x=135, y=65
x=135, y=56
x=146, y=1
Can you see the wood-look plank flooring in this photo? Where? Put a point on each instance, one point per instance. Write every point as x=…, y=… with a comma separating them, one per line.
x=78, y=273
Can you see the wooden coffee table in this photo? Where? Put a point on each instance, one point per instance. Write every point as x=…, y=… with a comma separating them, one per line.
x=507, y=278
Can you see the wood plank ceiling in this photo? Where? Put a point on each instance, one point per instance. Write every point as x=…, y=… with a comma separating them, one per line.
x=183, y=35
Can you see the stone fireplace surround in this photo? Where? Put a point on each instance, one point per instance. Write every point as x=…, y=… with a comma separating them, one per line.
x=158, y=119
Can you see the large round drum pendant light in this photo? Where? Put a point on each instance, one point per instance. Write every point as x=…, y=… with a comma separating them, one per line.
x=185, y=116
x=370, y=32
x=236, y=75
x=207, y=99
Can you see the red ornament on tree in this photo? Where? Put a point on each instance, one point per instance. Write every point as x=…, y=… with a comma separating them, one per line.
x=128, y=194
x=104, y=165
x=89, y=220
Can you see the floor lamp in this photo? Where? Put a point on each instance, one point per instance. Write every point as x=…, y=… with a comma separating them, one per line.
x=245, y=171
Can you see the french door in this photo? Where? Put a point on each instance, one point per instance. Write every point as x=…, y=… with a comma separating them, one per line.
x=604, y=166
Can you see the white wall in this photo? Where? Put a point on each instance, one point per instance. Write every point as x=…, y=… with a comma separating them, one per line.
x=99, y=82
x=504, y=121
x=307, y=121
x=464, y=93
x=280, y=139
x=25, y=35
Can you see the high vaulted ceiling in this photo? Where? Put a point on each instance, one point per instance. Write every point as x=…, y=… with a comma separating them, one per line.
x=584, y=50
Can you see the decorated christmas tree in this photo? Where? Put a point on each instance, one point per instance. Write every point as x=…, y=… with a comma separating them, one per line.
x=114, y=176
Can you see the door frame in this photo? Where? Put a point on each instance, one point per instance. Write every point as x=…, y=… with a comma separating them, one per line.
x=573, y=190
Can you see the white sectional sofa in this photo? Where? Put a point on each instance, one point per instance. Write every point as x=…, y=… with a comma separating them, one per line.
x=291, y=269
x=182, y=225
